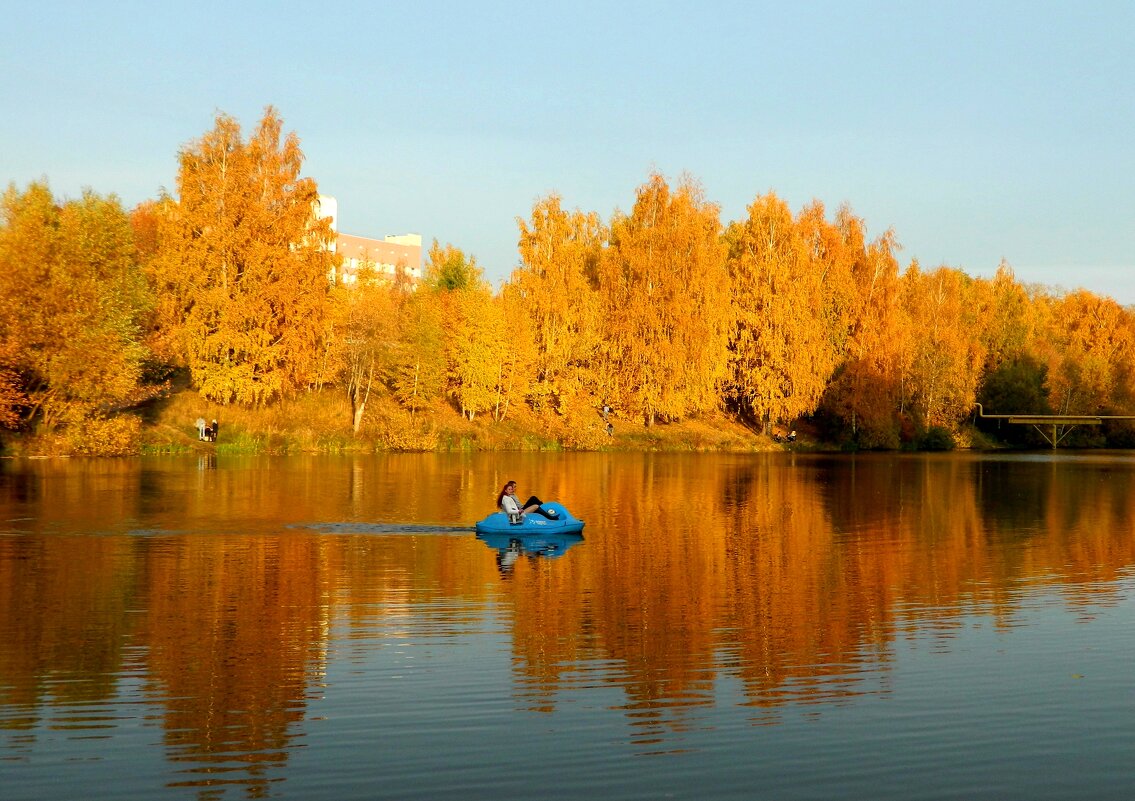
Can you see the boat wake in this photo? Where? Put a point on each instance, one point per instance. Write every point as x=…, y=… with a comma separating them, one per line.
x=381, y=528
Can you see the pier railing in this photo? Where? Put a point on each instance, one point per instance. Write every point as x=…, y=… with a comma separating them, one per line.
x=1054, y=421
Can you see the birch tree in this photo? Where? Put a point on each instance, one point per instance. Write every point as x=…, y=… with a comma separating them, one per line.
x=1089, y=354
x=244, y=263
x=948, y=353
x=865, y=394
x=789, y=281
x=556, y=286
x=664, y=294
x=71, y=302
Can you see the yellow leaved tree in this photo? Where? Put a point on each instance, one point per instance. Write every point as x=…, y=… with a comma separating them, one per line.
x=790, y=285
x=419, y=373
x=243, y=264
x=475, y=336
x=1090, y=355
x=556, y=286
x=363, y=337
x=865, y=395
x=664, y=299
x=71, y=301
x=948, y=351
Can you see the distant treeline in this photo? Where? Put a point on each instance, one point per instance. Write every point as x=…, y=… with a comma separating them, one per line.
x=662, y=313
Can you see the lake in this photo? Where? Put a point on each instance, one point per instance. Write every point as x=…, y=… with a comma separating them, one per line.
x=780, y=626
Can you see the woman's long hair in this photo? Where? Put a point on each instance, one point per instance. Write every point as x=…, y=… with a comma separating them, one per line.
x=500, y=495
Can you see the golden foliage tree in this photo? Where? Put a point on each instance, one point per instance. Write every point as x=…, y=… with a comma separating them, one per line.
x=516, y=369
x=363, y=337
x=244, y=263
x=790, y=281
x=475, y=349
x=475, y=339
x=664, y=295
x=71, y=298
x=448, y=269
x=1010, y=318
x=866, y=391
x=948, y=353
x=1089, y=354
x=419, y=363
x=556, y=286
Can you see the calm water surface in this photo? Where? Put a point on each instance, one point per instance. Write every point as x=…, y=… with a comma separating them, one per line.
x=780, y=627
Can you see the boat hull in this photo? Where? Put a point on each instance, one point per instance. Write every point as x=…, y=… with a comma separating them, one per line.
x=497, y=523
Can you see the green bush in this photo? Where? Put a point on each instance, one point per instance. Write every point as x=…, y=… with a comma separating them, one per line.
x=936, y=438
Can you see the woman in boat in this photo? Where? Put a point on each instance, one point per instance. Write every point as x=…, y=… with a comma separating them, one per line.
x=507, y=503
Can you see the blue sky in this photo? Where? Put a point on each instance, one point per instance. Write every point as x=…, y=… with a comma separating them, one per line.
x=976, y=130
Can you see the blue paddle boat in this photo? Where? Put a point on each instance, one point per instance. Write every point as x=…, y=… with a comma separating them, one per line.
x=564, y=523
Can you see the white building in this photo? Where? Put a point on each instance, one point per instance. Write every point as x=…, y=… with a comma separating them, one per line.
x=386, y=256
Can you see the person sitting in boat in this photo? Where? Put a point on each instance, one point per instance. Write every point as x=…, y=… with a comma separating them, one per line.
x=506, y=502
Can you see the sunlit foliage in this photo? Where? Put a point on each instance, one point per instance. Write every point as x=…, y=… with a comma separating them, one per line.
x=418, y=374
x=363, y=340
x=664, y=296
x=243, y=264
x=789, y=282
x=1089, y=354
x=556, y=284
x=660, y=313
x=71, y=300
x=865, y=396
x=947, y=355
x=474, y=336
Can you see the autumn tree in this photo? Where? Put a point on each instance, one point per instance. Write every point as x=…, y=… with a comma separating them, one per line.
x=516, y=373
x=475, y=339
x=71, y=300
x=419, y=372
x=244, y=264
x=948, y=353
x=556, y=285
x=163, y=341
x=1009, y=325
x=1089, y=354
x=364, y=337
x=478, y=350
x=664, y=296
x=789, y=281
x=448, y=269
x=865, y=394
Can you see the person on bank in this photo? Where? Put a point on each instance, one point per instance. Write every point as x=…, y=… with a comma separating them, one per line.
x=507, y=503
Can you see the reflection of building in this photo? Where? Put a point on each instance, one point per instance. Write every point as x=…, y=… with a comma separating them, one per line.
x=385, y=256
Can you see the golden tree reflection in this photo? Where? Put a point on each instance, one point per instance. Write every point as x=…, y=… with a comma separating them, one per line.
x=791, y=580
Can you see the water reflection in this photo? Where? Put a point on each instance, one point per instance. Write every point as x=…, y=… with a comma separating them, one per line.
x=791, y=579
x=509, y=548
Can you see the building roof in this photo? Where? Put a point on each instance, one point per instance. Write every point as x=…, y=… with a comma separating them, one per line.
x=379, y=252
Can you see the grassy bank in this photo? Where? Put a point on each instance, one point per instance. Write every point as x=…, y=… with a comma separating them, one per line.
x=321, y=423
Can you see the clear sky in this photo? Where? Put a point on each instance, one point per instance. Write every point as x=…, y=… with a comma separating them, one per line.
x=976, y=130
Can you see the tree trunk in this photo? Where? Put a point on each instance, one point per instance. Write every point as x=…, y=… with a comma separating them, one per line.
x=358, y=421
x=414, y=394
x=500, y=378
